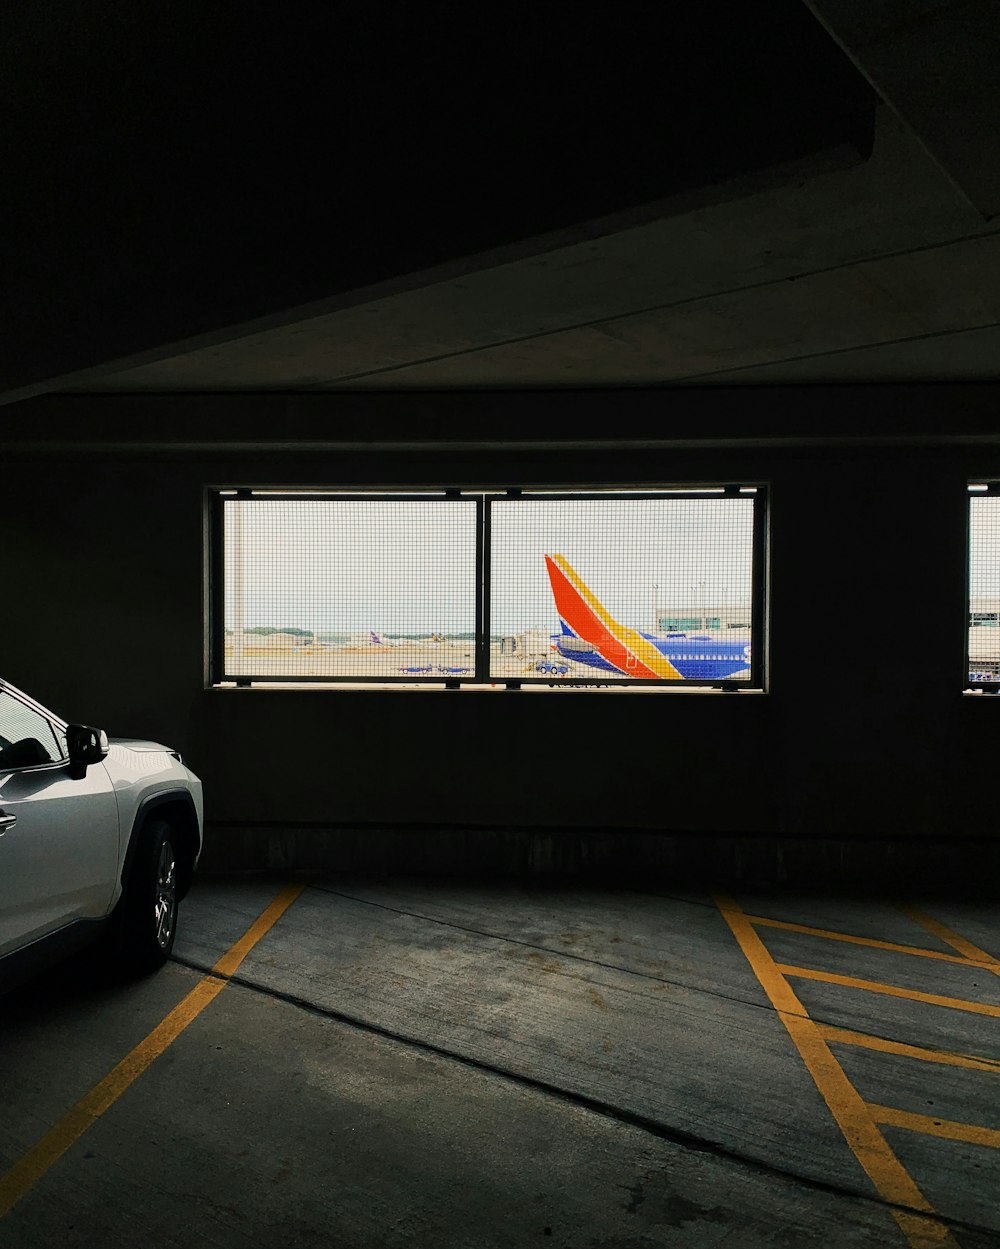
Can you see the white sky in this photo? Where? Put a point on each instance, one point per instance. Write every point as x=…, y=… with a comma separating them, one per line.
x=694, y=551
x=409, y=567
x=984, y=546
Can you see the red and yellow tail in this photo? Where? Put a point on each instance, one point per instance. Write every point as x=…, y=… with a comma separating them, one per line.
x=584, y=615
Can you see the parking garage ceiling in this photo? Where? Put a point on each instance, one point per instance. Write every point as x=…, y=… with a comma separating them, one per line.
x=813, y=204
x=876, y=272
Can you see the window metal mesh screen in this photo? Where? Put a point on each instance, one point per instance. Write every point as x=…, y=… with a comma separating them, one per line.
x=340, y=588
x=619, y=588
x=984, y=590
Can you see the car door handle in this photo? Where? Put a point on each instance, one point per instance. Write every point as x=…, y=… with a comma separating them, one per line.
x=6, y=821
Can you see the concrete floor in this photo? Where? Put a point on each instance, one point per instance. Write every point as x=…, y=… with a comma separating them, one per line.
x=428, y=1063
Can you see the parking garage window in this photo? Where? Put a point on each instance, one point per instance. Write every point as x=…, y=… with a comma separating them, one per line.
x=505, y=589
x=982, y=657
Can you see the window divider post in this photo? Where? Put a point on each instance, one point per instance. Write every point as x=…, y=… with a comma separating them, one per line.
x=483, y=589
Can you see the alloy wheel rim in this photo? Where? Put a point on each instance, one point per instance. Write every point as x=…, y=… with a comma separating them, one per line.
x=165, y=908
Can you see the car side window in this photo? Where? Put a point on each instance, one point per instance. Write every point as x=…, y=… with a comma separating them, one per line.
x=27, y=738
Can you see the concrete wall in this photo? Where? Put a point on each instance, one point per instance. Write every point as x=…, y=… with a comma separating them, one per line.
x=862, y=737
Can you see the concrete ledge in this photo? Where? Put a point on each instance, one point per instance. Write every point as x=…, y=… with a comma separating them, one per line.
x=967, y=865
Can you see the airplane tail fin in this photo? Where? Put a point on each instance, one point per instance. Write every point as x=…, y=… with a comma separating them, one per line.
x=583, y=615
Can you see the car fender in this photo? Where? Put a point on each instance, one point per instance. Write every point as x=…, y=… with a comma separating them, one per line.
x=145, y=808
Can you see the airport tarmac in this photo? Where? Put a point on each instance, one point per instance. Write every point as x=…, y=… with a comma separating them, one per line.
x=440, y=660
x=425, y=660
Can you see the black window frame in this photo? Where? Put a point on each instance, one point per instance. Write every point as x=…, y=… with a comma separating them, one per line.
x=977, y=488
x=216, y=675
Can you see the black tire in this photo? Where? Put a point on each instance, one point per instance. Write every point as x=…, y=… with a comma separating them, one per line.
x=147, y=912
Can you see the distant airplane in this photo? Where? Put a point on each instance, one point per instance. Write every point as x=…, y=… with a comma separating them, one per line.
x=376, y=639
x=591, y=635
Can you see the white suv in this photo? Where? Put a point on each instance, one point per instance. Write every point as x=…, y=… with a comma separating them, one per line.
x=95, y=838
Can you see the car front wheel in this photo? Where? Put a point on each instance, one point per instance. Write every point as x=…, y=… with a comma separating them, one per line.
x=148, y=907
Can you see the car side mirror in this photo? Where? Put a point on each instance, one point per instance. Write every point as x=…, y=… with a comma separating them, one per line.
x=85, y=745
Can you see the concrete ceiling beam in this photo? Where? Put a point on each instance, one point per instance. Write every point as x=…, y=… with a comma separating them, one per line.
x=175, y=174
x=935, y=63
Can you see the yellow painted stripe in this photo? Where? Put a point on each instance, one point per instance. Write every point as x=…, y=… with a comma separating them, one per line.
x=29, y=1169
x=966, y=948
x=643, y=649
x=891, y=1179
x=922, y=1232
x=948, y=1129
x=891, y=990
x=864, y=1040
x=830, y=935
x=229, y=963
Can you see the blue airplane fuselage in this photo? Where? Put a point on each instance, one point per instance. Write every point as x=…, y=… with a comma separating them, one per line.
x=696, y=656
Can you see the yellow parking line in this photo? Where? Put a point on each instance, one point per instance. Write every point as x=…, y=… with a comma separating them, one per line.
x=970, y=951
x=865, y=1040
x=891, y=1179
x=830, y=935
x=946, y=1128
x=891, y=990
x=29, y=1169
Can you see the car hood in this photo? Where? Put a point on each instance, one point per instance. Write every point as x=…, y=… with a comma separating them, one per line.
x=133, y=743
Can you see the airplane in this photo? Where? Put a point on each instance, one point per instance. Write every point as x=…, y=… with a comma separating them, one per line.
x=379, y=639
x=591, y=636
